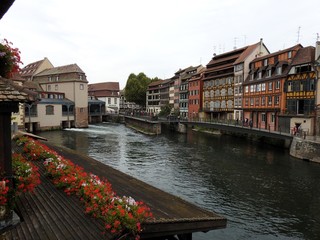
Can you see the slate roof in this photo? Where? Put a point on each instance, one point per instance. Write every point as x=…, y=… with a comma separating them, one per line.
x=11, y=92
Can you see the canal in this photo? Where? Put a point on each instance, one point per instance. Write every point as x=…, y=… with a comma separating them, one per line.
x=262, y=191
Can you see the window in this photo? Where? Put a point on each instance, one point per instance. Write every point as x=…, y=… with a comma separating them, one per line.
x=273, y=117
x=251, y=101
x=265, y=62
x=276, y=100
x=246, y=89
x=81, y=86
x=252, y=88
x=57, y=78
x=289, y=86
x=263, y=117
x=263, y=87
x=56, y=87
x=49, y=110
x=263, y=101
x=269, y=100
x=49, y=87
x=259, y=75
x=289, y=54
x=80, y=77
x=258, y=87
x=278, y=84
x=270, y=86
x=257, y=101
x=49, y=79
x=115, y=101
x=109, y=100
x=268, y=74
x=279, y=70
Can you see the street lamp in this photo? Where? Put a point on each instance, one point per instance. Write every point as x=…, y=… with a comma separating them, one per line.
x=317, y=105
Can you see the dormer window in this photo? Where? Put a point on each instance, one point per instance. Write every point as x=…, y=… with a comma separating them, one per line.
x=265, y=62
x=279, y=70
x=268, y=74
x=290, y=54
x=49, y=79
x=259, y=75
x=80, y=77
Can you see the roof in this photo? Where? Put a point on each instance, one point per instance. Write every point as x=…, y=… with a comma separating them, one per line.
x=31, y=68
x=248, y=51
x=156, y=83
x=11, y=92
x=226, y=56
x=55, y=101
x=111, y=86
x=304, y=55
x=4, y=7
x=71, y=68
x=277, y=53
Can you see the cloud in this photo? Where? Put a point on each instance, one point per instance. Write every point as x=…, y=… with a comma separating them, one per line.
x=111, y=39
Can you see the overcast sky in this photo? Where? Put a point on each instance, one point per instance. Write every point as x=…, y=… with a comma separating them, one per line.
x=109, y=40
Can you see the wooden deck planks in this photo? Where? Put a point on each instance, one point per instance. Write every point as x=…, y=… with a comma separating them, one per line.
x=49, y=214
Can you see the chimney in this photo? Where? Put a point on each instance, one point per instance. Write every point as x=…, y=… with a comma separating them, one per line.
x=317, y=55
x=260, y=47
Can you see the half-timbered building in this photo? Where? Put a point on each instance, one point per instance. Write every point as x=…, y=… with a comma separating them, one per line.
x=263, y=95
x=300, y=89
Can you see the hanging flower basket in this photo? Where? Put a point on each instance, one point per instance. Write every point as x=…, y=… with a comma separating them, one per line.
x=9, y=59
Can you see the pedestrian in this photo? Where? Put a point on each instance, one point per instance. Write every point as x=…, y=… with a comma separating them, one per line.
x=250, y=123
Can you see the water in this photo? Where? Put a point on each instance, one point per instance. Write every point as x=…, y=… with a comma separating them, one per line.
x=262, y=191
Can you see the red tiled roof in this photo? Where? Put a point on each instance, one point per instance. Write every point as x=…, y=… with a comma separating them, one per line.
x=156, y=83
x=71, y=68
x=247, y=52
x=277, y=53
x=304, y=55
x=30, y=69
x=112, y=86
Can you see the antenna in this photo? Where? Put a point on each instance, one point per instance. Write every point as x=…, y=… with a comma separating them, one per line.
x=235, y=43
x=245, y=40
x=298, y=40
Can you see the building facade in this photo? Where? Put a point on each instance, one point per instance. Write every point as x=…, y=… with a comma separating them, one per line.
x=195, y=95
x=109, y=92
x=263, y=96
x=300, y=89
x=63, y=95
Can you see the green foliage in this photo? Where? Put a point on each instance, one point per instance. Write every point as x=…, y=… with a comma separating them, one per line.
x=136, y=88
x=165, y=110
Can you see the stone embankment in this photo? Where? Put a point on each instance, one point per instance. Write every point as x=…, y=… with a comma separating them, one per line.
x=306, y=149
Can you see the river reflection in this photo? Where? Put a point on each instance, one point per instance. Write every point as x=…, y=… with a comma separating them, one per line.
x=263, y=192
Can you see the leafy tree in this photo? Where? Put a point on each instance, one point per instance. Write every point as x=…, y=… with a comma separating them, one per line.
x=136, y=88
x=165, y=110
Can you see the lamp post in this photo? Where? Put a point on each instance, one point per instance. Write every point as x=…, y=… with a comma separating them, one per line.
x=29, y=105
x=317, y=105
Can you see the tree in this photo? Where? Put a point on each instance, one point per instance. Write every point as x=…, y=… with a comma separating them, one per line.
x=136, y=88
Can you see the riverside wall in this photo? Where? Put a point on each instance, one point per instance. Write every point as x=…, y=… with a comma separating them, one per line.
x=305, y=149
